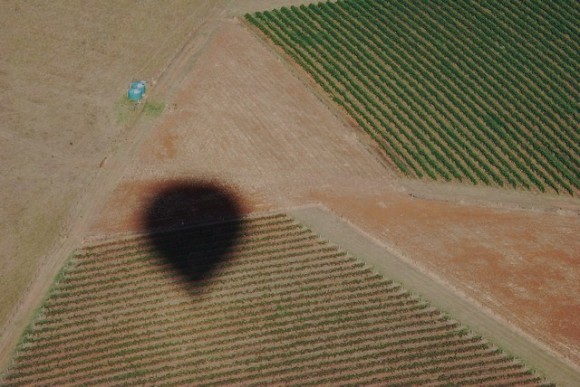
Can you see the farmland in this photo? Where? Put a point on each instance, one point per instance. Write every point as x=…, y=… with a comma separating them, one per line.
x=284, y=307
x=241, y=115
x=454, y=91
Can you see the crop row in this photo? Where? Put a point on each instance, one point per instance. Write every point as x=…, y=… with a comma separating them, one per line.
x=253, y=249
x=295, y=337
x=405, y=146
x=322, y=302
x=474, y=111
x=281, y=277
x=248, y=226
x=475, y=56
x=414, y=116
x=268, y=252
x=272, y=315
x=302, y=333
x=501, y=82
x=204, y=236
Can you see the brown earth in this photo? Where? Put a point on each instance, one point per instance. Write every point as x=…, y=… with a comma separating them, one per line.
x=241, y=114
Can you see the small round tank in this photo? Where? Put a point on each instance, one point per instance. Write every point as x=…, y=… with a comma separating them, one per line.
x=135, y=94
x=138, y=85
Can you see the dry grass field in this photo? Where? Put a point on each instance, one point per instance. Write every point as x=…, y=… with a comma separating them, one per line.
x=78, y=168
x=64, y=67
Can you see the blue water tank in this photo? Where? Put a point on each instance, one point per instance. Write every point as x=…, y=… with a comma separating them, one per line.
x=138, y=85
x=136, y=90
x=135, y=94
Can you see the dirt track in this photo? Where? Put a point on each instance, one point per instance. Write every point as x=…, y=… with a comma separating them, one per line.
x=241, y=114
x=59, y=122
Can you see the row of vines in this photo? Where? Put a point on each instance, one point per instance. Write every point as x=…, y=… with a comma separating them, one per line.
x=286, y=307
x=476, y=91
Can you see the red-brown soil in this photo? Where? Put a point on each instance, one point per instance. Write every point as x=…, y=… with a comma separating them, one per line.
x=518, y=264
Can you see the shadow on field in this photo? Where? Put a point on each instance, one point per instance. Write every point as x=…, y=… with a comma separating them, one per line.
x=193, y=225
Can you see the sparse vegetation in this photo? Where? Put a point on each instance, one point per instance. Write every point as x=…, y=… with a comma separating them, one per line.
x=126, y=110
x=153, y=108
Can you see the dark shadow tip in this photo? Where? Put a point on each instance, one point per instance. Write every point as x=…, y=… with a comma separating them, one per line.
x=193, y=226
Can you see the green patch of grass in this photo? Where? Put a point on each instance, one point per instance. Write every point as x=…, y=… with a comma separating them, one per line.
x=124, y=110
x=153, y=108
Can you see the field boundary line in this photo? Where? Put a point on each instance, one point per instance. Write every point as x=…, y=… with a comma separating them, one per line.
x=326, y=99
x=490, y=197
x=93, y=239
x=440, y=294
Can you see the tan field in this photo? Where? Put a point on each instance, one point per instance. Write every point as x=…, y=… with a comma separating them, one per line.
x=79, y=166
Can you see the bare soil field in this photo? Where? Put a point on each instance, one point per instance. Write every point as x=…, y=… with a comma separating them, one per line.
x=241, y=114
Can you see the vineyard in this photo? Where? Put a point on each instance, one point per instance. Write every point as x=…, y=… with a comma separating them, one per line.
x=480, y=92
x=284, y=307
